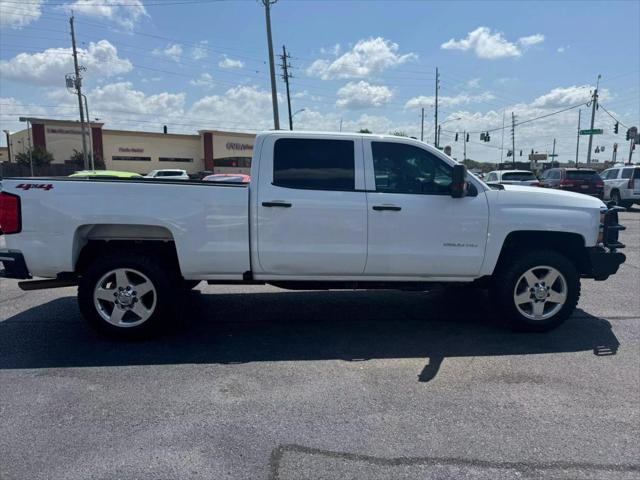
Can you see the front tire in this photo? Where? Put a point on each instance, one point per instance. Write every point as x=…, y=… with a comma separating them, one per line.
x=536, y=292
x=126, y=294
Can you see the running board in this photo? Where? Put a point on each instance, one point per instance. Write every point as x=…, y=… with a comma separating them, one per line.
x=43, y=284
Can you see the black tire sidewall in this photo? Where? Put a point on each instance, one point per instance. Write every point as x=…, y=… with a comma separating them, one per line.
x=505, y=282
x=150, y=267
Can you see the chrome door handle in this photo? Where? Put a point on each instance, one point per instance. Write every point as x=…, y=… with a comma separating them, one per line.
x=276, y=203
x=392, y=208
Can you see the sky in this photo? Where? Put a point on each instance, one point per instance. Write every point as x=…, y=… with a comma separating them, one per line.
x=203, y=64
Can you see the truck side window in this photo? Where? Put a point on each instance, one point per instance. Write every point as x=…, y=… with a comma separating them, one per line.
x=626, y=172
x=401, y=168
x=315, y=164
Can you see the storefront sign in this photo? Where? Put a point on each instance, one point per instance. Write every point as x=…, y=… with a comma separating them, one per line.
x=66, y=131
x=239, y=146
x=130, y=150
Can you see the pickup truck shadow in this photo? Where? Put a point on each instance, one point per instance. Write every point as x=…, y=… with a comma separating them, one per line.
x=274, y=326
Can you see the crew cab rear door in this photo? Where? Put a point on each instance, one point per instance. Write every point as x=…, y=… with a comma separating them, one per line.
x=415, y=227
x=311, y=206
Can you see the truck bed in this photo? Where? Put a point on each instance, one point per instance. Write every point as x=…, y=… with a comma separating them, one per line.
x=207, y=221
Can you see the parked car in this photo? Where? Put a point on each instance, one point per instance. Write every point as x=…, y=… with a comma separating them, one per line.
x=579, y=180
x=622, y=185
x=322, y=211
x=228, y=178
x=512, y=177
x=168, y=174
x=113, y=174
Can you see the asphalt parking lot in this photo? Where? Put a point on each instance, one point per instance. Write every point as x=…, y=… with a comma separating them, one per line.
x=260, y=383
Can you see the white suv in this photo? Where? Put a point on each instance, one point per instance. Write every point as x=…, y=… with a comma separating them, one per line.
x=512, y=177
x=168, y=174
x=622, y=185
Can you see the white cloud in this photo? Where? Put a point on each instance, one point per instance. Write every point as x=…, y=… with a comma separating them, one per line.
x=363, y=95
x=227, y=62
x=50, y=66
x=199, y=51
x=563, y=49
x=204, y=80
x=563, y=96
x=367, y=57
x=125, y=13
x=492, y=45
x=531, y=40
x=335, y=50
x=473, y=83
x=243, y=106
x=12, y=109
x=172, y=51
x=18, y=16
x=448, y=101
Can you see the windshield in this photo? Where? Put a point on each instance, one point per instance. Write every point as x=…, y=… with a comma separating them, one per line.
x=519, y=176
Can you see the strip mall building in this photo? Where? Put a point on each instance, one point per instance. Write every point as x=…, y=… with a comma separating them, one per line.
x=140, y=152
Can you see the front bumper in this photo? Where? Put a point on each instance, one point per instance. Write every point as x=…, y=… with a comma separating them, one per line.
x=14, y=265
x=604, y=263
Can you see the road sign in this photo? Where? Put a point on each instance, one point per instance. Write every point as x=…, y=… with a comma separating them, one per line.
x=595, y=131
x=537, y=156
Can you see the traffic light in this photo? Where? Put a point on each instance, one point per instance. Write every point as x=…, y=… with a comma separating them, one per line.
x=468, y=137
x=615, y=128
x=628, y=137
x=456, y=136
x=520, y=152
x=487, y=137
x=482, y=137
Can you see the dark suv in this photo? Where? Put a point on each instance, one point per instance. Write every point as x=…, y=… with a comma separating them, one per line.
x=579, y=180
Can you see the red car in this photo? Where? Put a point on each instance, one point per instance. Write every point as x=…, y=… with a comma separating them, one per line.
x=228, y=178
x=579, y=180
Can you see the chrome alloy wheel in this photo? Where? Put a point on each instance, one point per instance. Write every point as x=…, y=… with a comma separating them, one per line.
x=125, y=297
x=540, y=293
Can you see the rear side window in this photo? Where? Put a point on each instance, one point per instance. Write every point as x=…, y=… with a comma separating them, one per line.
x=626, y=173
x=582, y=175
x=518, y=176
x=315, y=164
x=636, y=173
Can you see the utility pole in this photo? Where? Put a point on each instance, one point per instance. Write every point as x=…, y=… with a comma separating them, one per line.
x=513, y=138
x=553, y=154
x=78, y=86
x=436, y=124
x=594, y=105
x=274, y=93
x=439, y=131
x=502, y=143
x=422, y=127
x=286, y=76
x=465, y=145
x=578, y=139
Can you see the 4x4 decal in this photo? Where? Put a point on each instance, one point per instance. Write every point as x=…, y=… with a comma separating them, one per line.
x=29, y=186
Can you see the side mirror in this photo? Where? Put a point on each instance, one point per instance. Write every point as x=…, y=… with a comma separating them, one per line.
x=459, y=185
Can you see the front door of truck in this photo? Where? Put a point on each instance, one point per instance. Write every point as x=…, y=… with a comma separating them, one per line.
x=415, y=227
x=311, y=206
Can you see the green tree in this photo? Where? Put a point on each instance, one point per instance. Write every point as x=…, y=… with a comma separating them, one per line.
x=399, y=133
x=38, y=154
x=77, y=159
x=364, y=130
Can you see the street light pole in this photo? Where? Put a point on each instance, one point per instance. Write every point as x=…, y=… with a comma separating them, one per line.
x=594, y=105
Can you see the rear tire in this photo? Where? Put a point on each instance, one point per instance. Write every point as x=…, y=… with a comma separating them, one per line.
x=128, y=294
x=536, y=292
x=615, y=197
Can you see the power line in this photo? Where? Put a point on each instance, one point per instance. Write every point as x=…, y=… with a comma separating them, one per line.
x=608, y=113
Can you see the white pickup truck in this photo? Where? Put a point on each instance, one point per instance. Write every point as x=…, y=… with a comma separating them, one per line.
x=322, y=211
